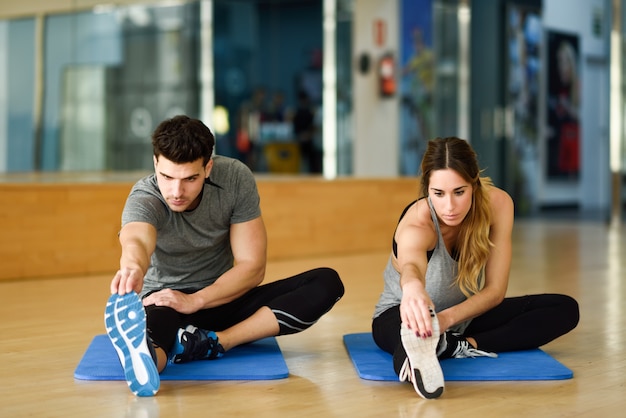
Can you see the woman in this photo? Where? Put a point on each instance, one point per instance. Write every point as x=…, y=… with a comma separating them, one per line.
x=447, y=276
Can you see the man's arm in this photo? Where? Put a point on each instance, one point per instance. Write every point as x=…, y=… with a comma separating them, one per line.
x=138, y=240
x=249, y=245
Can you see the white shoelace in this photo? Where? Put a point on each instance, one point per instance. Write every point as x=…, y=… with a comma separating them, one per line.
x=405, y=371
x=465, y=350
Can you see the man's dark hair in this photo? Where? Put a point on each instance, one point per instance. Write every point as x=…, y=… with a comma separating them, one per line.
x=182, y=139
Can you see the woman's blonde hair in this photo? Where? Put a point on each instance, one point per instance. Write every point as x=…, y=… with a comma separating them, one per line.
x=473, y=244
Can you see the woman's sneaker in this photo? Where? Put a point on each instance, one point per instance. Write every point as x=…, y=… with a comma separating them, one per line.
x=454, y=345
x=125, y=322
x=421, y=366
x=193, y=343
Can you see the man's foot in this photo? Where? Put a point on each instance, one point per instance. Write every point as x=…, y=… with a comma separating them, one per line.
x=194, y=343
x=125, y=322
x=421, y=366
x=454, y=345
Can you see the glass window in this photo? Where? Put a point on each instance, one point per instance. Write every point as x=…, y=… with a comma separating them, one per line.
x=110, y=77
x=417, y=82
x=268, y=80
x=344, y=60
x=110, y=74
x=17, y=92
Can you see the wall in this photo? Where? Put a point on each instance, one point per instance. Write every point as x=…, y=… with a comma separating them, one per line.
x=376, y=119
x=70, y=228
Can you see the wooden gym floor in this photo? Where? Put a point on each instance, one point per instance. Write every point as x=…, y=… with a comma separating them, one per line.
x=48, y=323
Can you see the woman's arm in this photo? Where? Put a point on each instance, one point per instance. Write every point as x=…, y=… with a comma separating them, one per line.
x=415, y=235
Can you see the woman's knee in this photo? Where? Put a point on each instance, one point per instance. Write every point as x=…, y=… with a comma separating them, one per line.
x=386, y=329
x=564, y=307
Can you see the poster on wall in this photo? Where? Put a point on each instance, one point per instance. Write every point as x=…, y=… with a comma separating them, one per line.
x=563, y=84
x=417, y=82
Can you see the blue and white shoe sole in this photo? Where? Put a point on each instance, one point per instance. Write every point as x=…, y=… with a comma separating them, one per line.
x=125, y=321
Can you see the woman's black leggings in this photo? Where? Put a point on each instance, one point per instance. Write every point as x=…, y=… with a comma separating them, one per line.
x=518, y=323
x=297, y=302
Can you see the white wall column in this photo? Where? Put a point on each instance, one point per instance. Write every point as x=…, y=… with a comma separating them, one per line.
x=376, y=118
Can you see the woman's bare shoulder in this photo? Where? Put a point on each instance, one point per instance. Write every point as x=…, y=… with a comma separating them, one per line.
x=419, y=213
x=416, y=230
x=417, y=218
x=502, y=207
x=500, y=198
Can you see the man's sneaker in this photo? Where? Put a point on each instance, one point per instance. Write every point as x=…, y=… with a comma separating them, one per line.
x=421, y=366
x=194, y=343
x=125, y=322
x=454, y=345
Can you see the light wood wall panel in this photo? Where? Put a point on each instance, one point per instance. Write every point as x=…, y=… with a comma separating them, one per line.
x=59, y=229
x=316, y=217
x=54, y=229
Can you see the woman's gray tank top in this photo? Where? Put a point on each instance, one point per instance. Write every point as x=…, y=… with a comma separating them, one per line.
x=440, y=279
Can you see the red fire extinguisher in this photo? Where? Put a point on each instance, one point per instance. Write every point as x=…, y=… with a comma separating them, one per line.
x=387, y=75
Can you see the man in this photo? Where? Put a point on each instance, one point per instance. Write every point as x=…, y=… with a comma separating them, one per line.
x=194, y=250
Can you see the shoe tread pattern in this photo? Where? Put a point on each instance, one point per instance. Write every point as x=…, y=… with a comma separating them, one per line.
x=424, y=369
x=125, y=322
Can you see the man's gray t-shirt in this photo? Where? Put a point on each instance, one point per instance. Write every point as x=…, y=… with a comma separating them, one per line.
x=193, y=248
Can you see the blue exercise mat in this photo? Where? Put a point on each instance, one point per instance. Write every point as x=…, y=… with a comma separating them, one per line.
x=372, y=363
x=260, y=360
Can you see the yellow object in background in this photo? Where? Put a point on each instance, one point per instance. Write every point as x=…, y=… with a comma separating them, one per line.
x=282, y=157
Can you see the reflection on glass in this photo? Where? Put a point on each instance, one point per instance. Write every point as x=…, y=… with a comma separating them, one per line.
x=268, y=75
x=116, y=73
x=111, y=74
x=17, y=93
